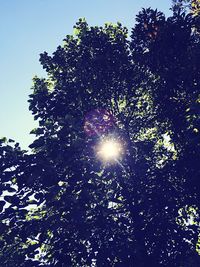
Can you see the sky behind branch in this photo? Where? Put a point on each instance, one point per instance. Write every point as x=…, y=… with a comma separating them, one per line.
x=30, y=27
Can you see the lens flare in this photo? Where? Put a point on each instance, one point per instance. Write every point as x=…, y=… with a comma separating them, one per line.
x=98, y=122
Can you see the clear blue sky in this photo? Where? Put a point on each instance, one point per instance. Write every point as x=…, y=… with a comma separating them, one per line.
x=29, y=27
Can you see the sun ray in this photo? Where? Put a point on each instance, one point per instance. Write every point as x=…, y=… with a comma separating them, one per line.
x=109, y=150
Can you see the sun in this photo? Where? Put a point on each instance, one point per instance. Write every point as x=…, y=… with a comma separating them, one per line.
x=109, y=150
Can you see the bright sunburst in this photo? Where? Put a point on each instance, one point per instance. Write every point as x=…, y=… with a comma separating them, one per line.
x=109, y=150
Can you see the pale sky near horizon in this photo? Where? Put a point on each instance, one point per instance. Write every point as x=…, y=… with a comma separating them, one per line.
x=30, y=27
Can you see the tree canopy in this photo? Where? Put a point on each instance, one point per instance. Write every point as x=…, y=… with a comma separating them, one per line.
x=61, y=205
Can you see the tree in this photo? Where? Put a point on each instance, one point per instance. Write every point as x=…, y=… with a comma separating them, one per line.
x=67, y=208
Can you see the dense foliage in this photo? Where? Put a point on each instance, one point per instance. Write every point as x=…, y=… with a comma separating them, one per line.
x=60, y=205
